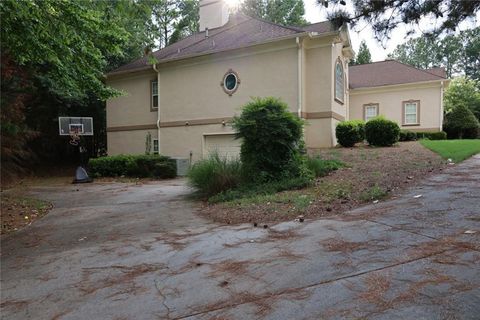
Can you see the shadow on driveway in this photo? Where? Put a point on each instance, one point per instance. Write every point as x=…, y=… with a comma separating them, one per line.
x=139, y=252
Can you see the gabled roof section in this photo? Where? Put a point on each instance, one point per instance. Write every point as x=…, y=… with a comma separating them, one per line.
x=390, y=72
x=240, y=31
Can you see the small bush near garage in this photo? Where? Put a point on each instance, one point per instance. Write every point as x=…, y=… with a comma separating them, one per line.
x=461, y=123
x=382, y=132
x=139, y=166
x=321, y=167
x=407, y=135
x=350, y=132
x=215, y=175
x=441, y=135
x=272, y=141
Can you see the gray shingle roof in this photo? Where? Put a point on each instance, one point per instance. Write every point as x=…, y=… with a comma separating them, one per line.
x=240, y=31
x=390, y=72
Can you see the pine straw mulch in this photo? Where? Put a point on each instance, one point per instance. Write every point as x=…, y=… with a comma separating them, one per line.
x=370, y=174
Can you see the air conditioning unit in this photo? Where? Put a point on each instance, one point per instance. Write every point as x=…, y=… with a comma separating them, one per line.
x=183, y=164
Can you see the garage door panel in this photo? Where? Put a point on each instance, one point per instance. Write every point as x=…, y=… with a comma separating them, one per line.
x=224, y=144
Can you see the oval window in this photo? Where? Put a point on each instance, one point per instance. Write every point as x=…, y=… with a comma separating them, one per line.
x=230, y=82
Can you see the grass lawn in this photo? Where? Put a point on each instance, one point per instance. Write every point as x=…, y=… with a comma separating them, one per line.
x=457, y=150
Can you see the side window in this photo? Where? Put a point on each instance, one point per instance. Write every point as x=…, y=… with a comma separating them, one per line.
x=154, y=95
x=411, y=112
x=370, y=111
x=155, y=146
x=339, y=81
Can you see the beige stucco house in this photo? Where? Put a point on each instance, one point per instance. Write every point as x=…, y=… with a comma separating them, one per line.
x=187, y=98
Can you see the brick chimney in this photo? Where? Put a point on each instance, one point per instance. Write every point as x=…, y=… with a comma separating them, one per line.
x=213, y=14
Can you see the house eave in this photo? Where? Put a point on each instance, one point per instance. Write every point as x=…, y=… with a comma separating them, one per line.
x=205, y=53
x=413, y=85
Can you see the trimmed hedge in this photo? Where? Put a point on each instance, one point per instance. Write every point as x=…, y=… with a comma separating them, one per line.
x=382, y=132
x=138, y=166
x=350, y=132
x=406, y=135
x=441, y=135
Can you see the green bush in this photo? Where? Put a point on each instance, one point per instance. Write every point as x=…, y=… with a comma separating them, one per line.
x=441, y=135
x=140, y=166
x=350, y=132
x=214, y=175
x=321, y=168
x=406, y=135
x=461, y=123
x=252, y=189
x=382, y=132
x=272, y=141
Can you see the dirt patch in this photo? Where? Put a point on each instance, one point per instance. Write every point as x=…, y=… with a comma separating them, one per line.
x=18, y=212
x=371, y=174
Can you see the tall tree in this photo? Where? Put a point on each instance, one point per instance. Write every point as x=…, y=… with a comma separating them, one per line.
x=463, y=91
x=363, y=55
x=384, y=16
x=188, y=22
x=284, y=12
x=459, y=54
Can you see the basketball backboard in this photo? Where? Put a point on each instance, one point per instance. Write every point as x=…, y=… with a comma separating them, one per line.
x=82, y=126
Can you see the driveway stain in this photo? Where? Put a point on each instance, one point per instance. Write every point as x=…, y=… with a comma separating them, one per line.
x=120, y=251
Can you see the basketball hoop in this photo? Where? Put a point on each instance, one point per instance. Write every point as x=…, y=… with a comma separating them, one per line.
x=75, y=127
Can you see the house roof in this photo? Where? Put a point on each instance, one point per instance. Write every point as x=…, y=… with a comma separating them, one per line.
x=240, y=31
x=390, y=72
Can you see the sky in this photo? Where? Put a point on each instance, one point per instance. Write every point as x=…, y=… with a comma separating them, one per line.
x=315, y=13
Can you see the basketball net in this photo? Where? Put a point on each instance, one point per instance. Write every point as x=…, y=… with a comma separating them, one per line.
x=74, y=138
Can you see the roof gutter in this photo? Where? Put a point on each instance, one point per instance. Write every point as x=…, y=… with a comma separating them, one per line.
x=398, y=85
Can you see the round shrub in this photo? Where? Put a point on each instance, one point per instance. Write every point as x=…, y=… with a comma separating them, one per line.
x=461, y=123
x=350, y=132
x=271, y=141
x=382, y=132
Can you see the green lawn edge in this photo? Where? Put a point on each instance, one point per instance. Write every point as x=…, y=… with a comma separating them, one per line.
x=457, y=150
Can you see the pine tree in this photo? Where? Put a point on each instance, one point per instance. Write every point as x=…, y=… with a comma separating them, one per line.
x=363, y=55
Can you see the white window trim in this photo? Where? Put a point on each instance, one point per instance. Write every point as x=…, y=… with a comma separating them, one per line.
x=153, y=95
x=366, y=106
x=417, y=111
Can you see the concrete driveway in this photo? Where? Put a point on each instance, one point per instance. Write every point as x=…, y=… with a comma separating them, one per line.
x=118, y=251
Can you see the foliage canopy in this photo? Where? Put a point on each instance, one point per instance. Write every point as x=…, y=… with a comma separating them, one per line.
x=385, y=16
x=284, y=12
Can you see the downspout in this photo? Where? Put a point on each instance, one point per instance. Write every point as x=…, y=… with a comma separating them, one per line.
x=158, y=108
x=300, y=76
x=441, y=105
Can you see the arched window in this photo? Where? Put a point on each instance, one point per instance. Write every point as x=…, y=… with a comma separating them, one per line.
x=339, y=81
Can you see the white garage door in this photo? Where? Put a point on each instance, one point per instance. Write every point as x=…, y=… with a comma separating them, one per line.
x=224, y=144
